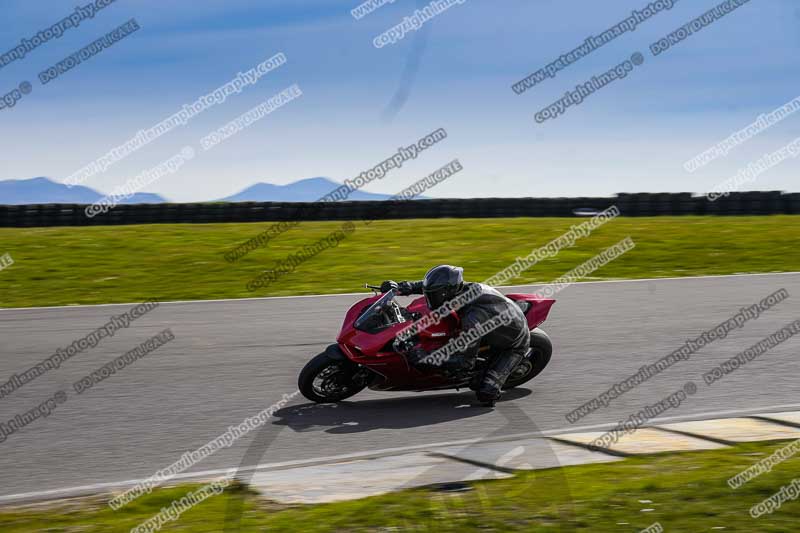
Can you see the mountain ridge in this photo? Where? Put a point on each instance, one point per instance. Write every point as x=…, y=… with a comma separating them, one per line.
x=42, y=190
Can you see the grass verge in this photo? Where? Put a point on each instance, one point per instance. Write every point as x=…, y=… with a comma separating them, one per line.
x=681, y=491
x=114, y=264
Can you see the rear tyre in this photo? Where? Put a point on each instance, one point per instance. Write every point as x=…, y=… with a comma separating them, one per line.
x=325, y=379
x=533, y=364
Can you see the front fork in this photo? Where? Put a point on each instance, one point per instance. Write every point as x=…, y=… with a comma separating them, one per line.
x=363, y=376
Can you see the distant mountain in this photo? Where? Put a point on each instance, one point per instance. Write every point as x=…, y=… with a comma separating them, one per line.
x=307, y=190
x=46, y=191
x=145, y=198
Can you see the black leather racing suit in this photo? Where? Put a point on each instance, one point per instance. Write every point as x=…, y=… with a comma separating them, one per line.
x=508, y=343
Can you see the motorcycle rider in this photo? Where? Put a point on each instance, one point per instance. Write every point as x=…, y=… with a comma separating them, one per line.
x=509, y=343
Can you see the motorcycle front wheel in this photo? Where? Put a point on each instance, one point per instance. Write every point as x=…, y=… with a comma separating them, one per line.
x=326, y=380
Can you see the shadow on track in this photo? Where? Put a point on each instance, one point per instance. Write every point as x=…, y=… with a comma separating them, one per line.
x=395, y=413
x=408, y=412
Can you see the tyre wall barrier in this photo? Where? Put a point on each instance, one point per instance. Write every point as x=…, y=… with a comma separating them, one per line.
x=629, y=204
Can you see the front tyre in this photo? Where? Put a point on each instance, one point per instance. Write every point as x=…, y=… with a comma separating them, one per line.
x=325, y=379
x=534, y=362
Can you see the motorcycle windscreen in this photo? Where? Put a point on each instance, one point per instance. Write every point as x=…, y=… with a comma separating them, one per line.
x=376, y=316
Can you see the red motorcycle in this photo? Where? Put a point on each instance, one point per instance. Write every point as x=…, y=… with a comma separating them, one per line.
x=364, y=354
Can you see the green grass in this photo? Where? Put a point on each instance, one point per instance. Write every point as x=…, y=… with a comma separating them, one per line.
x=687, y=493
x=62, y=266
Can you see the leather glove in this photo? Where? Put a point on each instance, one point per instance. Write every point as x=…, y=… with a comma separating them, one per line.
x=386, y=286
x=420, y=359
x=404, y=288
x=403, y=346
x=416, y=356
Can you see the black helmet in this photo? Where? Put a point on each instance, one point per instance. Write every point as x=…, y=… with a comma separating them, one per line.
x=442, y=283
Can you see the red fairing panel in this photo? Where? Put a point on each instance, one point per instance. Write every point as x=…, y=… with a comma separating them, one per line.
x=540, y=308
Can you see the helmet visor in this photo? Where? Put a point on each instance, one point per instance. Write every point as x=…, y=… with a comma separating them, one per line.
x=435, y=297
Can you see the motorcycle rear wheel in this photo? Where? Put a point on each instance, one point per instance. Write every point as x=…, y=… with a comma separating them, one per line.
x=534, y=362
x=328, y=380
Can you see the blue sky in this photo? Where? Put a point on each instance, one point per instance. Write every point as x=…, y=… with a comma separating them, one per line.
x=633, y=135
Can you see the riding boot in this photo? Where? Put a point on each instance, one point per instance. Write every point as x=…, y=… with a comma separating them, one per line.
x=495, y=377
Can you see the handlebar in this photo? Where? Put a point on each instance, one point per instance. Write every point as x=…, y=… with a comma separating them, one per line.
x=373, y=287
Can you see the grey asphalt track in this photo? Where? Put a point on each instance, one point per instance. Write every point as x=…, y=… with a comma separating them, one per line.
x=231, y=359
